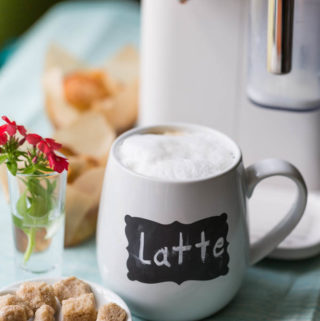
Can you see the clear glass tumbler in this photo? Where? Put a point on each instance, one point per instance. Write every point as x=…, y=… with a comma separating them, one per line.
x=37, y=205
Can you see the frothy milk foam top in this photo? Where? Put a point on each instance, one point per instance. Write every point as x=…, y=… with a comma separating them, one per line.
x=177, y=156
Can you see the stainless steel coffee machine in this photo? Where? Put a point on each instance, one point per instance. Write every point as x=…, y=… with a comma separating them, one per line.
x=250, y=69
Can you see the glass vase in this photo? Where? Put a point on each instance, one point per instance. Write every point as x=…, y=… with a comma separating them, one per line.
x=37, y=204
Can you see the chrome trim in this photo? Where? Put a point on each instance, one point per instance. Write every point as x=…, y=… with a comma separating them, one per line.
x=280, y=32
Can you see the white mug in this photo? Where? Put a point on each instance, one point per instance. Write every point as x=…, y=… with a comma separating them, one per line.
x=178, y=250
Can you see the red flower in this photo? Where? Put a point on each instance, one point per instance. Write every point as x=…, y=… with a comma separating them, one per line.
x=21, y=141
x=43, y=146
x=3, y=139
x=57, y=163
x=33, y=139
x=53, y=145
x=3, y=129
x=22, y=130
x=12, y=127
x=3, y=135
x=48, y=145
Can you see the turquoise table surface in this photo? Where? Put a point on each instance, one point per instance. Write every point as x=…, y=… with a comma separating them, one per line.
x=272, y=290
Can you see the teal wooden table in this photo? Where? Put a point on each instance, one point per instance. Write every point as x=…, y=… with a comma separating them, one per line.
x=272, y=290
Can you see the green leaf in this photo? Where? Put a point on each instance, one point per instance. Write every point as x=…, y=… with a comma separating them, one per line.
x=22, y=206
x=39, y=207
x=20, y=153
x=43, y=168
x=35, y=188
x=3, y=158
x=51, y=187
x=13, y=167
x=28, y=170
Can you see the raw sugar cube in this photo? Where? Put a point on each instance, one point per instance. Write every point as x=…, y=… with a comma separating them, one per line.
x=111, y=312
x=44, y=313
x=11, y=299
x=37, y=294
x=70, y=288
x=12, y=313
x=81, y=308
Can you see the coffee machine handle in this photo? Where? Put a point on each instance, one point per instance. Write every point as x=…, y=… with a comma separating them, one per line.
x=280, y=34
x=275, y=167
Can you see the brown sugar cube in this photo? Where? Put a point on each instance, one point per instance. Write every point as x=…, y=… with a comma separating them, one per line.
x=111, y=312
x=37, y=294
x=81, y=308
x=12, y=313
x=70, y=288
x=11, y=299
x=44, y=313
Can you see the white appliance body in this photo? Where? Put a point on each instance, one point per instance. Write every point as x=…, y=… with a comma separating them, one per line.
x=194, y=69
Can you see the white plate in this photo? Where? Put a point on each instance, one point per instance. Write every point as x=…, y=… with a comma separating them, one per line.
x=267, y=208
x=102, y=295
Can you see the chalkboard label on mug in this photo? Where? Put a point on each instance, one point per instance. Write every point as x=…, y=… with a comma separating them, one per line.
x=177, y=252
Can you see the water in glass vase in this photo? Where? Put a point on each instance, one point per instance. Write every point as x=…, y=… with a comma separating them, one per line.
x=37, y=212
x=38, y=246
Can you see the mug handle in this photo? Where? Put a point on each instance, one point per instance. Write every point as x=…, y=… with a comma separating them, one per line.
x=256, y=173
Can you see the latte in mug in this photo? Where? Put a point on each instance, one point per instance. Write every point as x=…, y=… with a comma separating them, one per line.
x=176, y=155
x=177, y=230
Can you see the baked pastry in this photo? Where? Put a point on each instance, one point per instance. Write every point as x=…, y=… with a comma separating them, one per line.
x=83, y=87
x=88, y=107
x=90, y=136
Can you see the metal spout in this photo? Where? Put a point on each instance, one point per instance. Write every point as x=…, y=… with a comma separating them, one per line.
x=280, y=33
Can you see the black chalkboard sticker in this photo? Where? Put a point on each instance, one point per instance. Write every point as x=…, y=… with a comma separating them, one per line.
x=176, y=252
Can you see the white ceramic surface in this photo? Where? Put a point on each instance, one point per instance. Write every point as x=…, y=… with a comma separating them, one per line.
x=128, y=197
x=202, y=78
x=102, y=295
x=266, y=209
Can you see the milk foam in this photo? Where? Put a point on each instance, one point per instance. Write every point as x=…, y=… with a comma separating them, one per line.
x=184, y=156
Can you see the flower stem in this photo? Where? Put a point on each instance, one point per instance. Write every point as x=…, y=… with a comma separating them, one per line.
x=31, y=243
